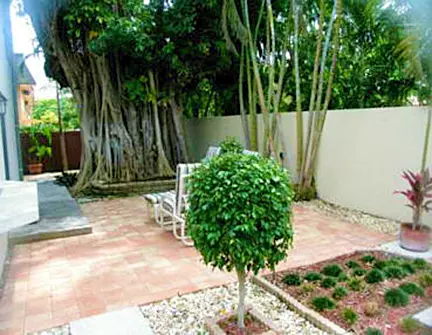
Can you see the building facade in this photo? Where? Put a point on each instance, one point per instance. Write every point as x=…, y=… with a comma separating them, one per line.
x=25, y=90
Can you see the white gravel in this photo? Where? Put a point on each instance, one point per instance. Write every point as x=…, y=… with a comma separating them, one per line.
x=63, y=330
x=375, y=223
x=186, y=314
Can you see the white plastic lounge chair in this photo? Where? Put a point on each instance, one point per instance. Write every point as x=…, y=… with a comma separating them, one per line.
x=173, y=205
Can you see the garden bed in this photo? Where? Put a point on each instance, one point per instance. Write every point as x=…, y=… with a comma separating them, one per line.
x=363, y=290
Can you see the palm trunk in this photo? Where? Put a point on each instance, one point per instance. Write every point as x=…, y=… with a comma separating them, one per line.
x=243, y=114
x=427, y=139
x=241, y=275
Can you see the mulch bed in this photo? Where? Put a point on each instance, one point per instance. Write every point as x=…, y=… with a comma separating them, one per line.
x=387, y=319
x=253, y=326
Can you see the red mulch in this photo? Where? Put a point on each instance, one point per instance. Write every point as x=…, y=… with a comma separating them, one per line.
x=388, y=318
x=253, y=326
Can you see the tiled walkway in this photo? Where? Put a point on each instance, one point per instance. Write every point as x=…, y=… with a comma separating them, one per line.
x=128, y=260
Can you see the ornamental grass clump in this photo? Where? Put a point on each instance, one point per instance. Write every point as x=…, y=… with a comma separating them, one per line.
x=374, y=276
x=240, y=215
x=292, y=279
x=312, y=276
x=322, y=303
x=412, y=289
x=332, y=270
x=395, y=297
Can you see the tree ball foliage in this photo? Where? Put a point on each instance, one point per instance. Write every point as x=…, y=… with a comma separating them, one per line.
x=328, y=282
x=349, y=315
x=352, y=264
x=339, y=292
x=368, y=259
x=358, y=272
x=412, y=289
x=240, y=212
x=322, y=303
x=292, y=279
x=425, y=280
x=312, y=276
x=374, y=276
x=420, y=263
x=230, y=145
x=356, y=284
x=373, y=331
x=396, y=272
x=395, y=297
x=332, y=270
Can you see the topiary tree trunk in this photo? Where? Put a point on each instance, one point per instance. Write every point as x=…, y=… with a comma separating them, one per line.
x=241, y=309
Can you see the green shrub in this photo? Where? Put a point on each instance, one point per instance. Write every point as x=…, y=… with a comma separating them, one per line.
x=409, y=325
x=396, y=297
x=332, y=270
x=307, y=288
x=352, y=264
x=239, y=215
x=393, y=271
x=349, y=315
x=368, y=259
x=425, y=280
x=339, y=292
x=292, y=279
x=342, y=277
x=373, y=331
x=380, y=265
x=358, y=272
x=312, y=276
x=408, y=267
x=356, y=284
x=412, y=289
x=322, y=303
x=230, y=146
x=328, y=282
x=374, y=276
x=420, y=263
x=396, y=261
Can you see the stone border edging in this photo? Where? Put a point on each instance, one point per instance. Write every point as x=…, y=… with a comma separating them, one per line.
x=213, y=328
x=309, y=314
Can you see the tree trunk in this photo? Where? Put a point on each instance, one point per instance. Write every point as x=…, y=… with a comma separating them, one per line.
x=427, y=139
x=65, y=164
x=241, y=275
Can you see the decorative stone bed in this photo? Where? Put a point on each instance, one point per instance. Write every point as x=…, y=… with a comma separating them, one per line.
x=356, y=305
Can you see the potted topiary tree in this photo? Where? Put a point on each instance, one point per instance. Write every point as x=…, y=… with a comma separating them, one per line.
x=240, y=216
x=40, y=137
x=416, y=236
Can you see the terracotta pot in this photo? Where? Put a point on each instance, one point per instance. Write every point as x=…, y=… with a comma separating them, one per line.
x=418, y=239
x=35, y=168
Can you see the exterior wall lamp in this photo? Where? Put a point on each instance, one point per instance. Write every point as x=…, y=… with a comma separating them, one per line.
x=3, y=105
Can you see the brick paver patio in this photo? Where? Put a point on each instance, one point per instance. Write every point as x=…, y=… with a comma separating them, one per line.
x=129, y=260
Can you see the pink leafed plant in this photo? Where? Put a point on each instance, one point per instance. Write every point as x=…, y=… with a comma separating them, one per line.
x=417, y=195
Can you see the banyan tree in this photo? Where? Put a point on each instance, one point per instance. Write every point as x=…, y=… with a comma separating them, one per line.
x=129, y=64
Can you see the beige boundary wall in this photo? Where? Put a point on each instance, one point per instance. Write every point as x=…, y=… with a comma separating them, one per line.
x=361, y=157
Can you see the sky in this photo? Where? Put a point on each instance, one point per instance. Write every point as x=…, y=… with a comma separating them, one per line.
x=25, y=42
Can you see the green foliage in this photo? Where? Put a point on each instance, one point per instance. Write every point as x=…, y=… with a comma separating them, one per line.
x=332, y=270
x=356, y=284
x=339, y=292
x=395, y=297
x=231, y=145
x=307, y=288
x=374, y=276
x=352, y=264
x=312, y=276
x=380, y=265
x=292, y=279
x=409, y=325
x=420, y=264
x=408, y=267
x=373, y=331
x=328, y=282
x=305, y=193
x=412, y=289
x=349, y=315
x=358, y=272
x=322, y=303
x=425, y=280
x=40, y=136
x=368, y=259
x=45, y=110
x=342, y=277
x=394, y=271
x=240, y=212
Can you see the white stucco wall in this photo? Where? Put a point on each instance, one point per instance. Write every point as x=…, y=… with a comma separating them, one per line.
x=3, y=253
x=362, y=154
x=6, y=87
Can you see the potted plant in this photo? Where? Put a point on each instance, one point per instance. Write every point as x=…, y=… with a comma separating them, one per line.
x=240, y=218
x=40, y=137
x=415, y=235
